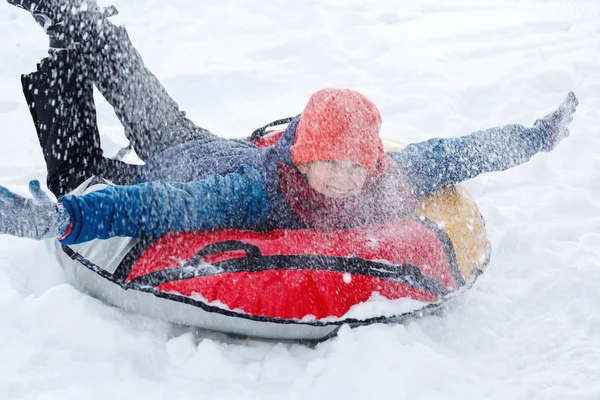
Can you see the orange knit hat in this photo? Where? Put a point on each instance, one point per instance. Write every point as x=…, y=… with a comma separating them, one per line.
x=339, y=124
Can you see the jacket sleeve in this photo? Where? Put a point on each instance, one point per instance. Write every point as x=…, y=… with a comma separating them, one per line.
x=236, y=200
x=440, y=162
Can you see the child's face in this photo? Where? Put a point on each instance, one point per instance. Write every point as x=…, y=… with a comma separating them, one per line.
x=335, y=178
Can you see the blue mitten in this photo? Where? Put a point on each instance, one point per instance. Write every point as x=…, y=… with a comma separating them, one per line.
x=556, y=123
x=36, y=217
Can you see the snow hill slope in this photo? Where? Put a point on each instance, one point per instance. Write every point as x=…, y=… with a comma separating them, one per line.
x=529, y=329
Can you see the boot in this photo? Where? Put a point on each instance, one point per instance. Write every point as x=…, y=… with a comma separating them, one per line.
x=66, y=22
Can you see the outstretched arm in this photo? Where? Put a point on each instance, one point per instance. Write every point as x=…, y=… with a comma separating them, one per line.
x=441, y=162
x=236, y=200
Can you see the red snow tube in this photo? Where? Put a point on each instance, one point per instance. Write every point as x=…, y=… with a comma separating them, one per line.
x=295, y=274
x=236, y=280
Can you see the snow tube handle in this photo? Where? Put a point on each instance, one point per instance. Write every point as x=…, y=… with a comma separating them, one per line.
x=196, y=266
x=260, y=132
x=251, y=250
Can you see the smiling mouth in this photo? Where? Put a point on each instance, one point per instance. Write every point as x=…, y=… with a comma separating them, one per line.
x=338, y=192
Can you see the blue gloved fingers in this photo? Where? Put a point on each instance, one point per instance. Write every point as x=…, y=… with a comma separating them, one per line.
x=28, y=217
x=571, y=102
x=568, y=107
x=34, y=186
x=39, y=196
x=7, y=195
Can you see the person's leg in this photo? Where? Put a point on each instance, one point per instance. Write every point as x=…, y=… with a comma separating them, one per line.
x=151, y=118
x=60, y=99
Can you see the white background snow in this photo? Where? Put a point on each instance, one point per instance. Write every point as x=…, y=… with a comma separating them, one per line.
x=529, y=329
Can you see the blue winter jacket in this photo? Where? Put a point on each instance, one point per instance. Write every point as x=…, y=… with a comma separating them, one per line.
x=217, y=183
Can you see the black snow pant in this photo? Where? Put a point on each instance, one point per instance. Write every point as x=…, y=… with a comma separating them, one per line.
x=60, y=98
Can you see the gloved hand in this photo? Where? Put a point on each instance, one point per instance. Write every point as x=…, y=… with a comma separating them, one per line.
x=35, y=218
x=555, y=124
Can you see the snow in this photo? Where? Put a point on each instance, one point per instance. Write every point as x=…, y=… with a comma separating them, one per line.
x=378, y=305
x=529, y=329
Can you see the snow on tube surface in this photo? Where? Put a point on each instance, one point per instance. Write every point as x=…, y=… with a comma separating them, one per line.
x=290, y=284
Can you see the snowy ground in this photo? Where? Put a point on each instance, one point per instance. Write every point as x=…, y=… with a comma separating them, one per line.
x=530, y=328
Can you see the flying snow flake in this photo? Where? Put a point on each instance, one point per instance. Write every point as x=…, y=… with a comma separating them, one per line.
x=373, y=242
x=347, y=278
